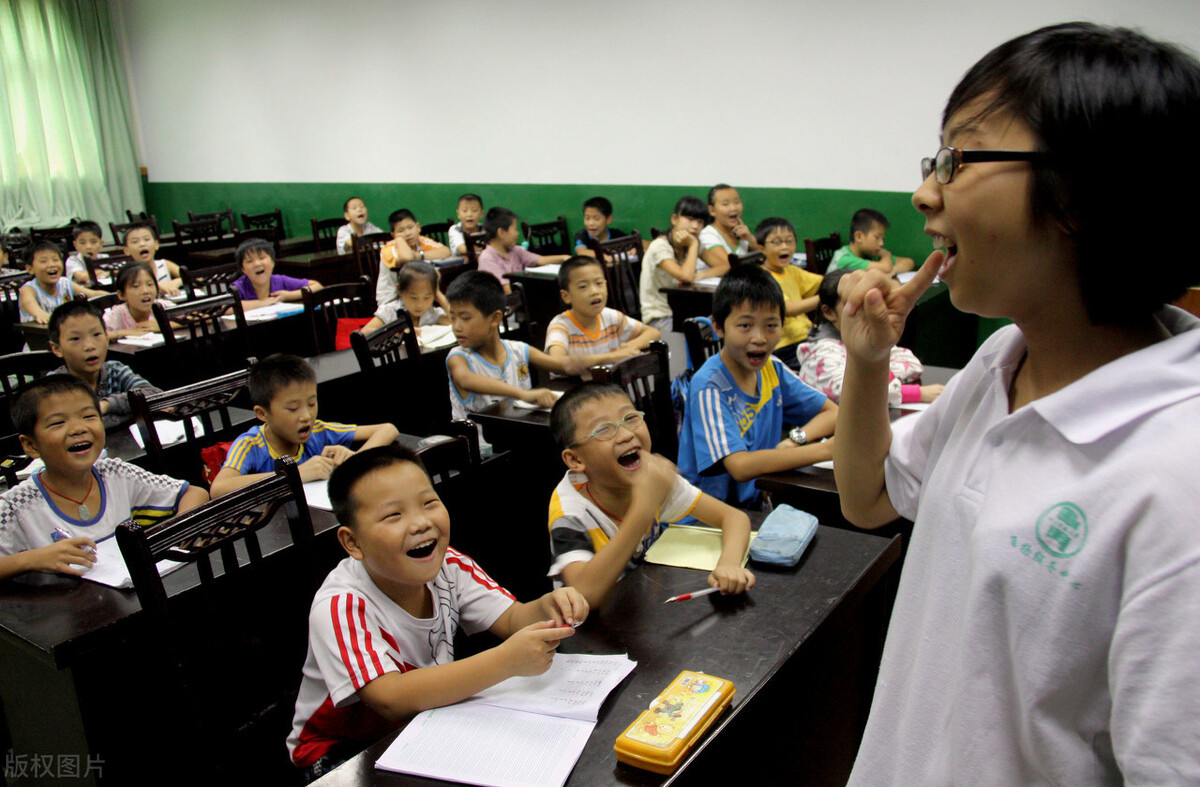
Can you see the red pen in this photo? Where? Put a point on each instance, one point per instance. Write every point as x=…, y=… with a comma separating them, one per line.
x=695, y=594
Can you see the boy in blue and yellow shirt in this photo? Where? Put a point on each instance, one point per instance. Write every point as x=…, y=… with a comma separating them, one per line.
x=283, y=390
x=740, y=399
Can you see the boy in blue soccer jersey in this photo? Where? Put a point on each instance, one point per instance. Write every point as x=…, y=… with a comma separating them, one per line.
x=283, y=389
x=740, y=400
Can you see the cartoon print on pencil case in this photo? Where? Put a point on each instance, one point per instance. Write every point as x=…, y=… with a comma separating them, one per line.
x=655, y=730
x=669, y=706
x=696, y=685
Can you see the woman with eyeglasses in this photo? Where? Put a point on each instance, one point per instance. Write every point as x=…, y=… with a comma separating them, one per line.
x=1047, y=623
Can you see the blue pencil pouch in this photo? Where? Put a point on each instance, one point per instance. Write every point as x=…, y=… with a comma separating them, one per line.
x=783, y=537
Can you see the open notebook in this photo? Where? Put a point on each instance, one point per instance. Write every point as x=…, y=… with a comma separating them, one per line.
x=522, y=732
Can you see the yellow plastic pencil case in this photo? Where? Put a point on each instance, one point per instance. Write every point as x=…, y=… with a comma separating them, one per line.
x=664, y=734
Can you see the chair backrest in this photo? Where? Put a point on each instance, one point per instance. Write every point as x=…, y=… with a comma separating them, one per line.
x=268, y=234
x=750, y=258
x=438, y=230
x=209, y=402
x=647, y=380
x=211, y=346
x=820, y=251
x=475, y=242
x=325, y=233
x=447, y=273
x=548, y=237
x=119, y=230
x=141, y=215
x=109, y=266
x=326, y=306
x=622, y=266
x=199, y=235
x=394, y=343
x=366, y=252
x=11, y=338
x=701, y=339
x=518, y=321
x=60, y=235
x=210, y=281
x=224, y=218
x=105, y=301
x=218, y=525
x=265, y=221
x=16, y=369
x=448, y=456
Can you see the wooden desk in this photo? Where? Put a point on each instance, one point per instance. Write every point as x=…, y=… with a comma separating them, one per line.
x=324, y=266
x=302, y=244
x=802, y=648
x=688, y=300
x=542, y=296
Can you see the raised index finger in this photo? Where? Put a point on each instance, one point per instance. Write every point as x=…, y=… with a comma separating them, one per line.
x=921, y=280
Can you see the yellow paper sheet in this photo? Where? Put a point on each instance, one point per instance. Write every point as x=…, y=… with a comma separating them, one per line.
x=690, y=546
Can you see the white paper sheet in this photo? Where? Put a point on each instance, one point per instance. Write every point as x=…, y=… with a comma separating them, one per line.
x=109, y=568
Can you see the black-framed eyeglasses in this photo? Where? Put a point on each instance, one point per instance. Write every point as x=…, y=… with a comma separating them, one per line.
x=947, y=160
x=608, y=430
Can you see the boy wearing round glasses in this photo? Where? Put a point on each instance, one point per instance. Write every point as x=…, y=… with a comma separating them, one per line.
x=1044, y=629
x=617, y=497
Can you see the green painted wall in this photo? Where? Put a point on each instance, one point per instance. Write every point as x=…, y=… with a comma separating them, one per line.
x=814, y=212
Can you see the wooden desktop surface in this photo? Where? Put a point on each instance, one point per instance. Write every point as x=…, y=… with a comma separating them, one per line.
x=758, y=641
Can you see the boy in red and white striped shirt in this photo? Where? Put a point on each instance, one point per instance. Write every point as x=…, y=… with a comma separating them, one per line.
x=382, y=625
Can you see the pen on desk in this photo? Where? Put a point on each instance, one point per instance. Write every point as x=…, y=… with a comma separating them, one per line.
x=695, y=594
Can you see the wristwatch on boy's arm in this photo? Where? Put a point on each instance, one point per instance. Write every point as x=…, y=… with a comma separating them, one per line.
x=798, y=436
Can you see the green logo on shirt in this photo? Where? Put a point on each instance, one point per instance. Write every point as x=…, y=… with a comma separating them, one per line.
x=1062, y=529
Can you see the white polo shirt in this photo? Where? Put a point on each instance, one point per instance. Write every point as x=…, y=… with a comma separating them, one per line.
x=1047, y=624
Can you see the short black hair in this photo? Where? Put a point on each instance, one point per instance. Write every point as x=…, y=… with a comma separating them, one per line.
x=746, y=284
x=691, y=208
x=397, y=216
x=346, y=204
x=270, y=375
x=86, y=226
x=129, y=272
x=249, y=245
x=865, y=219
x=601, y=204
x=479, y=289
x=498, y=219
x=138, y=225
x=574, y=264
x=712, y=193
x=29, y=397
x=416, y=271
x=469, y=197
x=769, y=225
x=348, y=473
x=562, y=415
x=1092, y=94
x=827, y=293
x=67, y=309
x=41, y=245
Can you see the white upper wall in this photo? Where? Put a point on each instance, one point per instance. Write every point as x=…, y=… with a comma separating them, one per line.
x=786, y=93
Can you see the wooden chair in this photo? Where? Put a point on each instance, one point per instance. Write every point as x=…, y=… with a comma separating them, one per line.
x=750, y=258
x=119, y=230
x=210, y=281
x=390, y=361
x=395, y=344
x=324, y=233
x=210, y=402
x=701, y=339
x=326, y=306
x=820, y=251
x=518, y=323
x=59, y=235
x=11, y=338
x=439, y=231
x=103, y=302
x=622, y=266
x=647, y=380
x=253, y=611
x=14, y=243
x=366, y=252
x=269, y=235
x=224, y=219
x=109, y=266
x=139, y=216
x=475, y=242
x=265, y=221
x=16, y=369
x=548, y=237
x=199, y=235
x=209, y=347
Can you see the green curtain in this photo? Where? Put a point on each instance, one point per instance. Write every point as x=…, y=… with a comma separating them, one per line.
x=66, y=138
